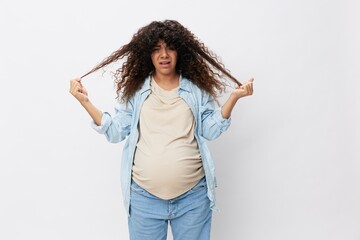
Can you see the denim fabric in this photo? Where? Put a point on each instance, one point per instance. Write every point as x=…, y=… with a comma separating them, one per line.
x=209, y=124
x=189, y=215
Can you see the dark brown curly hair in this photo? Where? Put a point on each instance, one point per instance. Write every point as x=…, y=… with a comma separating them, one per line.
x=195, y=61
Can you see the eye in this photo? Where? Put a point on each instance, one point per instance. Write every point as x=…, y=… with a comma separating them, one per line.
x=172, y=48
x=155, y=49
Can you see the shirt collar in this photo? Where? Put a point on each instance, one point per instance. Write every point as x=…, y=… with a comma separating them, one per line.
x=184, y=84
x=146, y=86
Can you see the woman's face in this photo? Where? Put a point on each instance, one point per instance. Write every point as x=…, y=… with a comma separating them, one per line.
x=164, y=58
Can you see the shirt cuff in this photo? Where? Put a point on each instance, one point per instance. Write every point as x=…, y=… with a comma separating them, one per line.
x=224, y=123
x=105, y=123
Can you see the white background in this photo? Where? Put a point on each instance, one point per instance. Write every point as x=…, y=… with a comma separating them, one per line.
x=288, y=167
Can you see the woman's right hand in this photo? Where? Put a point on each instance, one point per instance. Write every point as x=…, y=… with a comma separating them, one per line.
x=78, y=90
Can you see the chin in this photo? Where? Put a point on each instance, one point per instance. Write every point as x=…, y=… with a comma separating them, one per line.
x=166, y=71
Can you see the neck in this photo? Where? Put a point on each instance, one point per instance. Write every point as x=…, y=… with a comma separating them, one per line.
x=167, y=82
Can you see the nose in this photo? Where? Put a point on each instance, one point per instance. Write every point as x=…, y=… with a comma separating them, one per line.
x=163, y=52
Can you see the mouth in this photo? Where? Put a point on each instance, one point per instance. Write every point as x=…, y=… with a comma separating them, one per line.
x=165, y=63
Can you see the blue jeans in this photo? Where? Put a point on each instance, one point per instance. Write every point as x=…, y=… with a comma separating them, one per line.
x=189, y=215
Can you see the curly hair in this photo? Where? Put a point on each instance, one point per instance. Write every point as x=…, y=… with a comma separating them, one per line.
x=195, y=61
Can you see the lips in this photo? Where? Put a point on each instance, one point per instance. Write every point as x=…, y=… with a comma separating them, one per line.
x=165, y=64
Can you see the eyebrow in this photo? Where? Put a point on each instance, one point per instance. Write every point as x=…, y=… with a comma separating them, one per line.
x=158, y=45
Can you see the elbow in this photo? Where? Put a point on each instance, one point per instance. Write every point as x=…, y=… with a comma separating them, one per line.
x=114, y=139
x=211, y=135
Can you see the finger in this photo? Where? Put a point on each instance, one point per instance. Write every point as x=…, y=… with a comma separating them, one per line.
x=248, y=89
x=77, y=88
x=250, y=83
x=78, y=80
x=74, y=82
x=74, y=86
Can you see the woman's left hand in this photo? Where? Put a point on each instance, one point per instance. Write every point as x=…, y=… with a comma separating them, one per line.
x=244, y=90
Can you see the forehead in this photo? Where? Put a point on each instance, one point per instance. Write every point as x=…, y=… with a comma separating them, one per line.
x=161, y=42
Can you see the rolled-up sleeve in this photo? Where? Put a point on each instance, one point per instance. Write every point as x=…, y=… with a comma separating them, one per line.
x=213, y=123
x=105, y=123
x=115, y=128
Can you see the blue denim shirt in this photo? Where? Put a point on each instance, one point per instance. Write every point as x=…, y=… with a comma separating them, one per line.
x=209, y=124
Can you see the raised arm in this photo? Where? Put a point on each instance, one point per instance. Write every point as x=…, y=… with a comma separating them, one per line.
x=80, y=93
x=243, y=91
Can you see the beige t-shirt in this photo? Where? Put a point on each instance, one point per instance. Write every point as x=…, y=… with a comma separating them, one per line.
x=167, y=160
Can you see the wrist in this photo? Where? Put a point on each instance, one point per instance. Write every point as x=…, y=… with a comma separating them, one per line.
x=85, y=102
x=234, y=98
